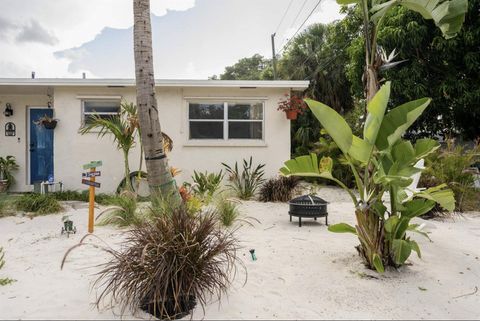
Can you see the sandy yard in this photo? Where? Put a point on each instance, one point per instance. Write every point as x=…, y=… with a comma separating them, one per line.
x=301, y=273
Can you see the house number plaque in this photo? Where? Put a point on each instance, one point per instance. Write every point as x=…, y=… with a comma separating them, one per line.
x=10, y=129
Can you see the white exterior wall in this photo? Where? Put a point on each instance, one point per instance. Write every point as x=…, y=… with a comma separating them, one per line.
x=72, y=150
x=18, y=146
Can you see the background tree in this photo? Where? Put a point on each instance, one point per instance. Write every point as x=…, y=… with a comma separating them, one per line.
x=253, y=68
x=160, y=180
x=444, y=69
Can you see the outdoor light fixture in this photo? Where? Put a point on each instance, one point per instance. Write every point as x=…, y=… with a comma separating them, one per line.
x=8, y=110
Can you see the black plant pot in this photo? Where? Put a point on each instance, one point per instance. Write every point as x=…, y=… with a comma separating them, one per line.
x=187, y=304
x=50, y=124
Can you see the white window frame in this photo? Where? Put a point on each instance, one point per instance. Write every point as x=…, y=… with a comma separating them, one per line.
x=225, y=120
x=83, y=113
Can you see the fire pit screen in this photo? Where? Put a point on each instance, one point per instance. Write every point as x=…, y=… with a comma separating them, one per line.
x=308, y=206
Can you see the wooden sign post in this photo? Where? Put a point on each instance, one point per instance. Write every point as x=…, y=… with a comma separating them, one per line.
x=92, y=166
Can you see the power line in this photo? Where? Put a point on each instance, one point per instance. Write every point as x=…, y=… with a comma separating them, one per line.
x=301, y=26
x=284, y=15
x=298, y=13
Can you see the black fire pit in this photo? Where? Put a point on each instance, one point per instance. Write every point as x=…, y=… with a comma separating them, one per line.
x=308, y=206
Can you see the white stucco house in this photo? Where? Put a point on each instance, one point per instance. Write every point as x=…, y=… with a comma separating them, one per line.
x=210, y=122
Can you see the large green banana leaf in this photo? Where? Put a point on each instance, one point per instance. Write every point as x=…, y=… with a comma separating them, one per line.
x=336, y=126
x=398, y=120
x=447, y=15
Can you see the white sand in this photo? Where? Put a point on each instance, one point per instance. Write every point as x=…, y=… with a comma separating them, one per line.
x=301, y=273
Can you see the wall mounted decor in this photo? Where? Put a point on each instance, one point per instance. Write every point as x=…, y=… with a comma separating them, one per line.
x=8, y=110
x=10, y=129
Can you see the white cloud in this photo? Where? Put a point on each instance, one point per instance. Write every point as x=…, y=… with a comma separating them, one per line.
x=194, y=38
x=34, y=32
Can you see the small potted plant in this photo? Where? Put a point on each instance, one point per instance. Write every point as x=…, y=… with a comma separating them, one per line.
x=47, y=122
x=7, y=166
x=292, y=105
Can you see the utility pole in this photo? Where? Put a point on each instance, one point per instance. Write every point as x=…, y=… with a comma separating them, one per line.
x=274, y=58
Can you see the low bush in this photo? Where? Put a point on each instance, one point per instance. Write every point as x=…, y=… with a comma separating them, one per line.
x=451, y=165
x=245, y=183
x=227, y=211
x=71, y=196
x=169, y=264
x=279, y=189
x=40, y=204
x=206, y=184
x=6, y=208
x=83, y=196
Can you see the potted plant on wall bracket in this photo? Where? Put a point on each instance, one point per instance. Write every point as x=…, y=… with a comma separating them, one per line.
x=47, y=122
x=292, y=105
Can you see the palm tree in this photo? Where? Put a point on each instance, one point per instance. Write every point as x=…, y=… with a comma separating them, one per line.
x=160, y=180
x=123, y=127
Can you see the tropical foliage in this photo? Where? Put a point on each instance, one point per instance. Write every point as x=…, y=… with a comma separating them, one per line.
x=381, y=161
x=432, y=66
x=227, y=211
x=123, y=127
x=246, y=182
x=206, y=184
x=453, y=165
x=7, y=166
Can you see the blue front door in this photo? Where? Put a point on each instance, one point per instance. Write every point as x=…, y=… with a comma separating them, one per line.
x=41, y=147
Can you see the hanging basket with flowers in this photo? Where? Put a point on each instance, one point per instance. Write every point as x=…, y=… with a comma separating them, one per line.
x=292, y=105
x=47, y=122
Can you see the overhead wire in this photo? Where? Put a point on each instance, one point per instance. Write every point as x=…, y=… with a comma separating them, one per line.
x=283, y=17
x=299, y=28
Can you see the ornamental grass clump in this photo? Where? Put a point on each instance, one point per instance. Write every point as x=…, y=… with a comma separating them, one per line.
x=169, y=264
x=278, y=189
x=40, y=204
x=123, y=212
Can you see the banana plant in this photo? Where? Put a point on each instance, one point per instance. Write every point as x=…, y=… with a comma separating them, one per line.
x=448, y=16
x=381, y=161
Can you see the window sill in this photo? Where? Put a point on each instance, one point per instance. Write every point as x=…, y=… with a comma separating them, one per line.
x=223, y=143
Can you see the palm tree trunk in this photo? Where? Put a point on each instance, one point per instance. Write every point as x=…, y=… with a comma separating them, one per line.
x=128, y=182
x=160, y=180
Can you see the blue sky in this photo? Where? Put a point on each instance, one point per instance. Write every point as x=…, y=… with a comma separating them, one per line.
x=192, y=38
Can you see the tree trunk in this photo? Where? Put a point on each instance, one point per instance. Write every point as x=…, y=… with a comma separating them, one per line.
x=160, y=180
x=128, y=182
x=372, y=237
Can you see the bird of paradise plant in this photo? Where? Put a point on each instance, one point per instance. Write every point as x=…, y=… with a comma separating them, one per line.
x=381, y=161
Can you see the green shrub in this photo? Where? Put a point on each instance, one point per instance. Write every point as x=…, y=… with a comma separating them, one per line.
x=38, y=203
x=279, y=189
x=71, y=196
x=206, y=184
x=6, y=208
x=227, y=211
x=450, y=165
x=168, y=264
x=246, y=182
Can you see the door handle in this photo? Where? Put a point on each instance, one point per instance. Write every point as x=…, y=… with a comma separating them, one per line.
x=32, y=147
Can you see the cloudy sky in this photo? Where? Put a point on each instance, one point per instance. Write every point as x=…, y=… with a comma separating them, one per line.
x=192, y=38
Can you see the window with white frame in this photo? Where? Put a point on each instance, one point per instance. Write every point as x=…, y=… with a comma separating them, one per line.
x=99, y=108
x=226, y=120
